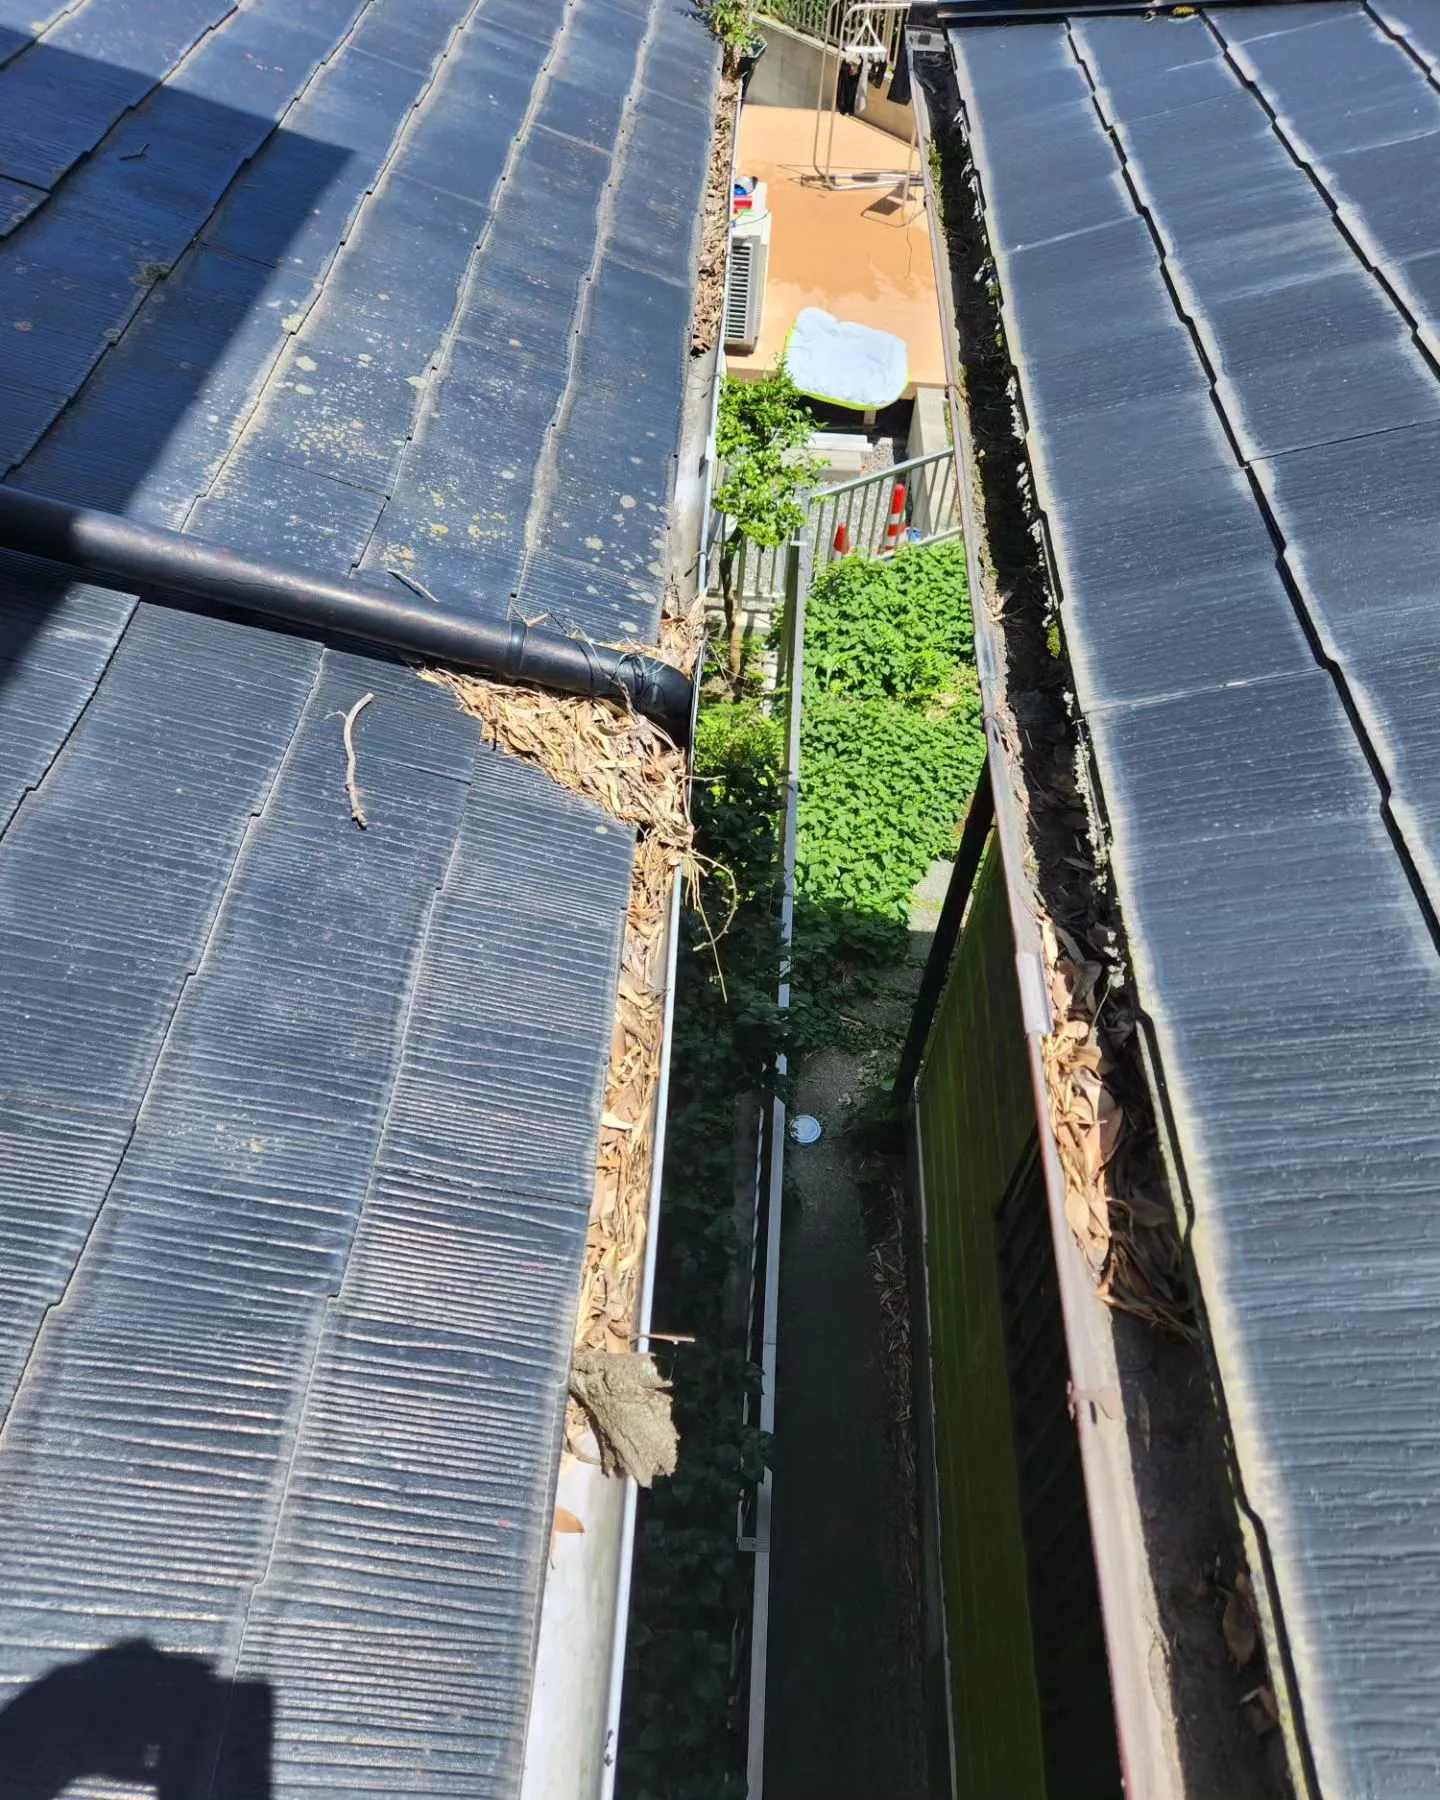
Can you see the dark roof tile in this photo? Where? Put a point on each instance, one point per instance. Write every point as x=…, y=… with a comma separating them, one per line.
x=1276, y=834
x=301, y=1120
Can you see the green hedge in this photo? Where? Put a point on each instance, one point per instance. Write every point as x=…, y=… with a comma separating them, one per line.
x=891, y=735
x=896, y=629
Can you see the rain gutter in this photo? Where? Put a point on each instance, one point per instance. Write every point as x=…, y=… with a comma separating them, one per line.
x=1144, y=1728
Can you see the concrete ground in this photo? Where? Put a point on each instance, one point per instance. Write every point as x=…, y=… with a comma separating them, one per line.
x=844, y=1706
x=840, y=250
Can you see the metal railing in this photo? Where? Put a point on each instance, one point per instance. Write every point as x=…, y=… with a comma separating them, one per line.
x=863, y=506
x=823, y=21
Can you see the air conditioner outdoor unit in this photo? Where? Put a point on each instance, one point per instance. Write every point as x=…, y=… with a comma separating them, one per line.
x=745, y=284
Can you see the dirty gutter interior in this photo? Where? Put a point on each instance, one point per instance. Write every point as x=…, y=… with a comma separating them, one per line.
x=1119, y=1368
x=572, y=1742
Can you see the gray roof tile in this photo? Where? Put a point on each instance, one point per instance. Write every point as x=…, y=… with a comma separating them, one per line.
x=299, y=1122
x=1262, y=258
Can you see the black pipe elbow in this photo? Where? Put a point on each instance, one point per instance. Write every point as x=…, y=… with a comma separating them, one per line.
x=176, y=567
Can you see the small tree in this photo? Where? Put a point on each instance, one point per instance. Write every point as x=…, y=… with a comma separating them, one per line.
x=734, y=25
x=759, y=438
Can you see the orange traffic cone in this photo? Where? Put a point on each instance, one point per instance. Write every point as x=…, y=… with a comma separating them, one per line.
x=897, y=518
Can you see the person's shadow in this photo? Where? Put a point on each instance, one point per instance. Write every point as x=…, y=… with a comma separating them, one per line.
x=137, y=1714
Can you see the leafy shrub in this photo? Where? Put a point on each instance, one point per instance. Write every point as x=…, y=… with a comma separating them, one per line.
x=733, y=23
x=761, y=428
x=891, y=740
x=882, y=787
x=896, y=628
x=761, y=431
x=737, y=741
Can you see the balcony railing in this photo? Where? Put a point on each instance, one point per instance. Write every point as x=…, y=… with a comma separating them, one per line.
x=824, y=21
x=864, y=506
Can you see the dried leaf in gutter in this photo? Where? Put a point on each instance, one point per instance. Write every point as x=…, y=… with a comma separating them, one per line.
x=1242, y=1636
x=1261, y=1709
x=563, y=1523
x=715, y=232
x=1125, y=1236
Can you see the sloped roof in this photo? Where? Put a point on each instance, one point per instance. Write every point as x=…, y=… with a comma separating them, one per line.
x=1218, y=247
x=298, y=1122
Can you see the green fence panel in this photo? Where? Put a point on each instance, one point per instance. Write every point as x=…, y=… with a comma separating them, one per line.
x=976, y=1120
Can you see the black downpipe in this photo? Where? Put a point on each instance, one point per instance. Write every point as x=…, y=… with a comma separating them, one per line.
x=123, y=554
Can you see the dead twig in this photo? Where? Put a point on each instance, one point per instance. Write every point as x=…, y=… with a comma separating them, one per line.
x=417, y=587
x=357, y=810
x=696, y=865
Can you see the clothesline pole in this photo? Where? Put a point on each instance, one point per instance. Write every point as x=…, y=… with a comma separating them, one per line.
x=827, y=81
x=852, y=31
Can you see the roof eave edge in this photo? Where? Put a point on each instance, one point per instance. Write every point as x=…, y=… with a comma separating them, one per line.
x=1149, y=1753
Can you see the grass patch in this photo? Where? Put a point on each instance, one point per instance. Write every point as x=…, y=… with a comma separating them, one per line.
x=891, y=745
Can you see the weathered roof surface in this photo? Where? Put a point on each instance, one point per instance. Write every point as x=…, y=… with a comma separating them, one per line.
x=298, y=1122
x=1218, y=247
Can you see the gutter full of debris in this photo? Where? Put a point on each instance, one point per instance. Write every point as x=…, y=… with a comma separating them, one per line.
x=1133, y=1355
x=572, y=1744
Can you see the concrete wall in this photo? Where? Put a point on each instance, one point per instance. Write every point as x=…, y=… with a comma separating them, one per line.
x=788, y=74
x=933, y=498
x=929, y=423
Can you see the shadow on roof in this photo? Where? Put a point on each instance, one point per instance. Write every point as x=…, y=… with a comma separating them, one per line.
x=145, y=288
x=135, y=1714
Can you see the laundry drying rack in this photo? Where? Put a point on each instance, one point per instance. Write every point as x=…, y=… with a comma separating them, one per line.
x=863, y=33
